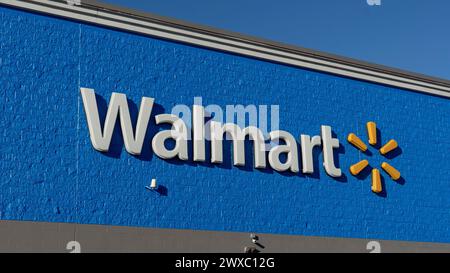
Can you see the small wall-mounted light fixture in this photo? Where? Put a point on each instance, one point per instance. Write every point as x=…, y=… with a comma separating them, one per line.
x=253, y=249
x=254, y=238
x=153, y=186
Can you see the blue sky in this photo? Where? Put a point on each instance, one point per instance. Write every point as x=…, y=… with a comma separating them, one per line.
x=409, y=34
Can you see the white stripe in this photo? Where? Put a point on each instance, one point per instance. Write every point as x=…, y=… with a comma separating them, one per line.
x=121, y=21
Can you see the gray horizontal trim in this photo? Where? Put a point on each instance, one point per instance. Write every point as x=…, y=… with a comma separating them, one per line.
x=148, y=24
x=23, y=236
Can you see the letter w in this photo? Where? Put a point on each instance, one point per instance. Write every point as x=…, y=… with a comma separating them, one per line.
x=118, y=104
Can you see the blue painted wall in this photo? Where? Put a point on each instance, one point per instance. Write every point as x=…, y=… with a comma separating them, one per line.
x=50, y=172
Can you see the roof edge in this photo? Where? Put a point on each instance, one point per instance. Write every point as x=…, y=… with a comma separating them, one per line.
x=162, y=27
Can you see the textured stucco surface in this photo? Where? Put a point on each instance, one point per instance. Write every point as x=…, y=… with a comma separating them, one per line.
x=50, y=172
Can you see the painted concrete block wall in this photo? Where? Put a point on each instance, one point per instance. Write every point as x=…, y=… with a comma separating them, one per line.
x=50, y=172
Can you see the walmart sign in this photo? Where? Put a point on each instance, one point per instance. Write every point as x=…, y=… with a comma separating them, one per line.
x=282, y=154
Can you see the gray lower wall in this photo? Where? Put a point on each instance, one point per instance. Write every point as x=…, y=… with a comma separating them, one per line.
x=21, y=236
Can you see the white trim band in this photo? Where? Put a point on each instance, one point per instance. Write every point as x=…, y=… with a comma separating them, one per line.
x=111, y=18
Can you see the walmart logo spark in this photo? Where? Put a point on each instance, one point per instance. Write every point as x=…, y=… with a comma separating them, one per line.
x=388, y=147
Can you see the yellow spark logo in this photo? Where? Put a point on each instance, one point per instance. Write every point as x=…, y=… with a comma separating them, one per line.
x=391, y=145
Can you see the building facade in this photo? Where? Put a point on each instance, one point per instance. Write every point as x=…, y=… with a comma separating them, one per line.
x=95, y=99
